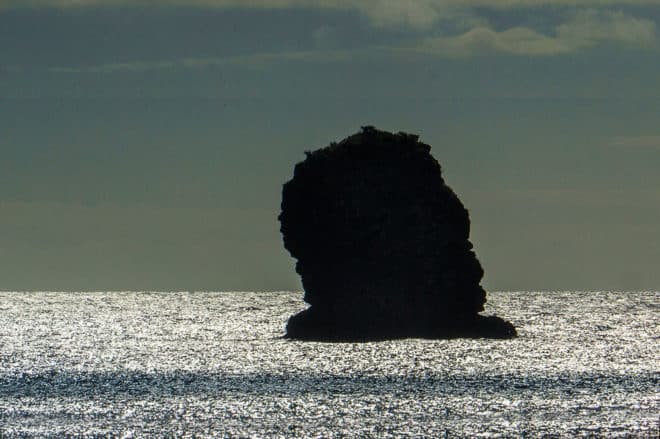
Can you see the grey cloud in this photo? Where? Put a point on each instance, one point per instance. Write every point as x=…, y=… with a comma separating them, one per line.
x=590, y=26
x=518, y=41
x=411, y=13
x=587, y=28
x=344, y=4
x=420, y=14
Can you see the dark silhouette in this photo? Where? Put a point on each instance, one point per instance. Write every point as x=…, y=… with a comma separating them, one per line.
x=382, y=245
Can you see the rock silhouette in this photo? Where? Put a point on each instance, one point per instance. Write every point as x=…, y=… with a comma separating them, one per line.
x=382, y=245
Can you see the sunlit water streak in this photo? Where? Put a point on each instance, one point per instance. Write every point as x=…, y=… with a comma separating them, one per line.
x=214, y=364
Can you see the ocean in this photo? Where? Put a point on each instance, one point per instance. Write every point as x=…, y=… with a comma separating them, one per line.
x=214, y=364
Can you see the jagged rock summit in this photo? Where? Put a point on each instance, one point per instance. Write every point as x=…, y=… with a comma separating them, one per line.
x=382, y=245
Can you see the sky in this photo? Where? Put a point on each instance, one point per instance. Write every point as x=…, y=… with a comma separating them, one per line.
x=144, y=144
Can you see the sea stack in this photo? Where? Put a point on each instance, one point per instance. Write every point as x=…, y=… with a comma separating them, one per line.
x=382, y=245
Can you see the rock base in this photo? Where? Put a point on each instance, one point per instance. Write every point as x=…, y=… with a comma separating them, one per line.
x=311, y=325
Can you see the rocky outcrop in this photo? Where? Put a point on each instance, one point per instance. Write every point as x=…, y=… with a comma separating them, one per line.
x=382, y=245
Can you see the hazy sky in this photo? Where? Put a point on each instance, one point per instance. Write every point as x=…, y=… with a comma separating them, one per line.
x=144, y=147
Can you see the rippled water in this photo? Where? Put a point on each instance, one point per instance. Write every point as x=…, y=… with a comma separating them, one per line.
x=213, y=364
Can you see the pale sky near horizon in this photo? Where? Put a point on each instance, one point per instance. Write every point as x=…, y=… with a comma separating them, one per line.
x=143, y=144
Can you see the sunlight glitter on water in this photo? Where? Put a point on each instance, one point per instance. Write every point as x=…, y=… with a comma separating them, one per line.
x=214, y=364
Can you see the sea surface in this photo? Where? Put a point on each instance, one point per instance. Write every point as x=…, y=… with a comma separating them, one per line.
x=184, y=364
